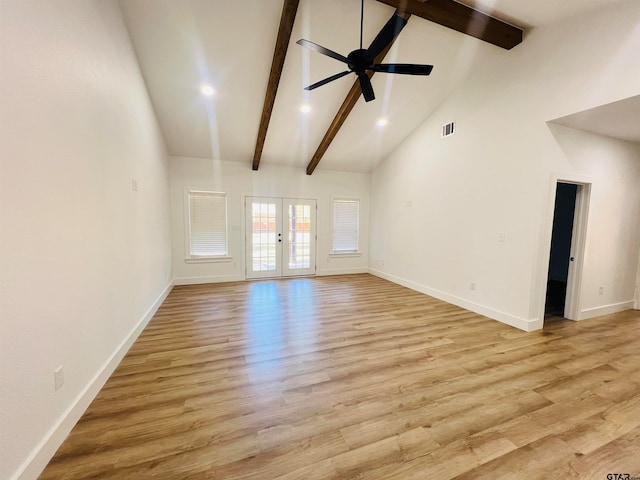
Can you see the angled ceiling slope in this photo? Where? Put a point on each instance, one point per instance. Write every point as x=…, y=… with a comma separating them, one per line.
x=346, y=107
x=182, y=44
x=447, y=13
x=463, y=19
x=287, y=19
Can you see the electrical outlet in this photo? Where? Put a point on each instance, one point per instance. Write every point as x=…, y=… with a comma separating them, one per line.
x=58, y=377
x=134, y=185
x=601, y=291
x=472, y=285
x=382, y=263
x=501, y=237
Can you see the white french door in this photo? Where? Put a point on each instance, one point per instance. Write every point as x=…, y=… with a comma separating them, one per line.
x=280, y=237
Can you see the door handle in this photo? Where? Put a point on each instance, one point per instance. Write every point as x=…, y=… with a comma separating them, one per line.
x=571, y=259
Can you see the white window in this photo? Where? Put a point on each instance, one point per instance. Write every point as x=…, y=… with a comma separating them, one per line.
x=207, y=227
x=345, y=225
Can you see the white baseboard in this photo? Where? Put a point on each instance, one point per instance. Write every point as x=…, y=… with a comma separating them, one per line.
x=341, y=271
x=512, y=320
x=44, y=451
x=211, y=279
x=606, y=309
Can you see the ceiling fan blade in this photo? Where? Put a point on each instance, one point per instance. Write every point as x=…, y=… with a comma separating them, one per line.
x=323, y=50
x=390, y=31
x=402, y=68
x=327, y=80
x=366, y=87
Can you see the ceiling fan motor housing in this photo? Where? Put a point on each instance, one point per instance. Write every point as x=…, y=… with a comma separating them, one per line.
x=359, y=60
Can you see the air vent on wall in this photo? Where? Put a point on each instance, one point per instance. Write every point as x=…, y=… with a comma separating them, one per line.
x=448, y=129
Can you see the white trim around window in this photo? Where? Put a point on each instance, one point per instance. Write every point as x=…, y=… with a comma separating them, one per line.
x=345, y=227
x=206, y=231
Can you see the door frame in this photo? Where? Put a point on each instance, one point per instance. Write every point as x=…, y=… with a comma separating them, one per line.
x=246, y=233
x=279, y=250
x=572, y=309
x=313, y=237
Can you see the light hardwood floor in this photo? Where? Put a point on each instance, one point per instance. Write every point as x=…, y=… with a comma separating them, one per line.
x=354, y=377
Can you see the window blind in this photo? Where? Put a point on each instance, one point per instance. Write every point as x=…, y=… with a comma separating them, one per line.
x=345, y=226
x=207, y=224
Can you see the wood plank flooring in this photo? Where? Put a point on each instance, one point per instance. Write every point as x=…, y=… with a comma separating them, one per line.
x=354, y=377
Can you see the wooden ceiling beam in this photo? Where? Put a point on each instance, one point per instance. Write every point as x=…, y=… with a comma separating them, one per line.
x=346, y=107
x=462, y=18
x=289, y=10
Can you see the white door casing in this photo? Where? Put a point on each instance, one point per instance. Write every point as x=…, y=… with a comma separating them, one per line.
x=280, y=237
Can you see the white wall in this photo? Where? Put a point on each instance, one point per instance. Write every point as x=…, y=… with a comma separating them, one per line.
x=84, y=259
x=494, y=174
x=238, y=180
x=613, y=226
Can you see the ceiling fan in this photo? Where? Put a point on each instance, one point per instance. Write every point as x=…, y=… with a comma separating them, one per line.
x=361, y=60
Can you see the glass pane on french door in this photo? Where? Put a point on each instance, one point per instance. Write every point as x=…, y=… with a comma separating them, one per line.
x=264, y=237
x=280, y=237
x=300, y=237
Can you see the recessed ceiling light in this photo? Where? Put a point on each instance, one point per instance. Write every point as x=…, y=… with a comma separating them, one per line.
x=207, y=90
x=382, y=122
x=305, y=108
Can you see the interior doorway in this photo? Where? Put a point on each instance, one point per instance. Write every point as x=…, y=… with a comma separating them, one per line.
x=567, y=233
x=560, y=255
x=280, y=237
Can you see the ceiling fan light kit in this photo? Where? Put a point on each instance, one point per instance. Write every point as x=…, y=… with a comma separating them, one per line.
x=362, y=61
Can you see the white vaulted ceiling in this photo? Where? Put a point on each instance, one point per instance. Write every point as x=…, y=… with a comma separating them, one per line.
x=534, y=13
x=182, y=44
